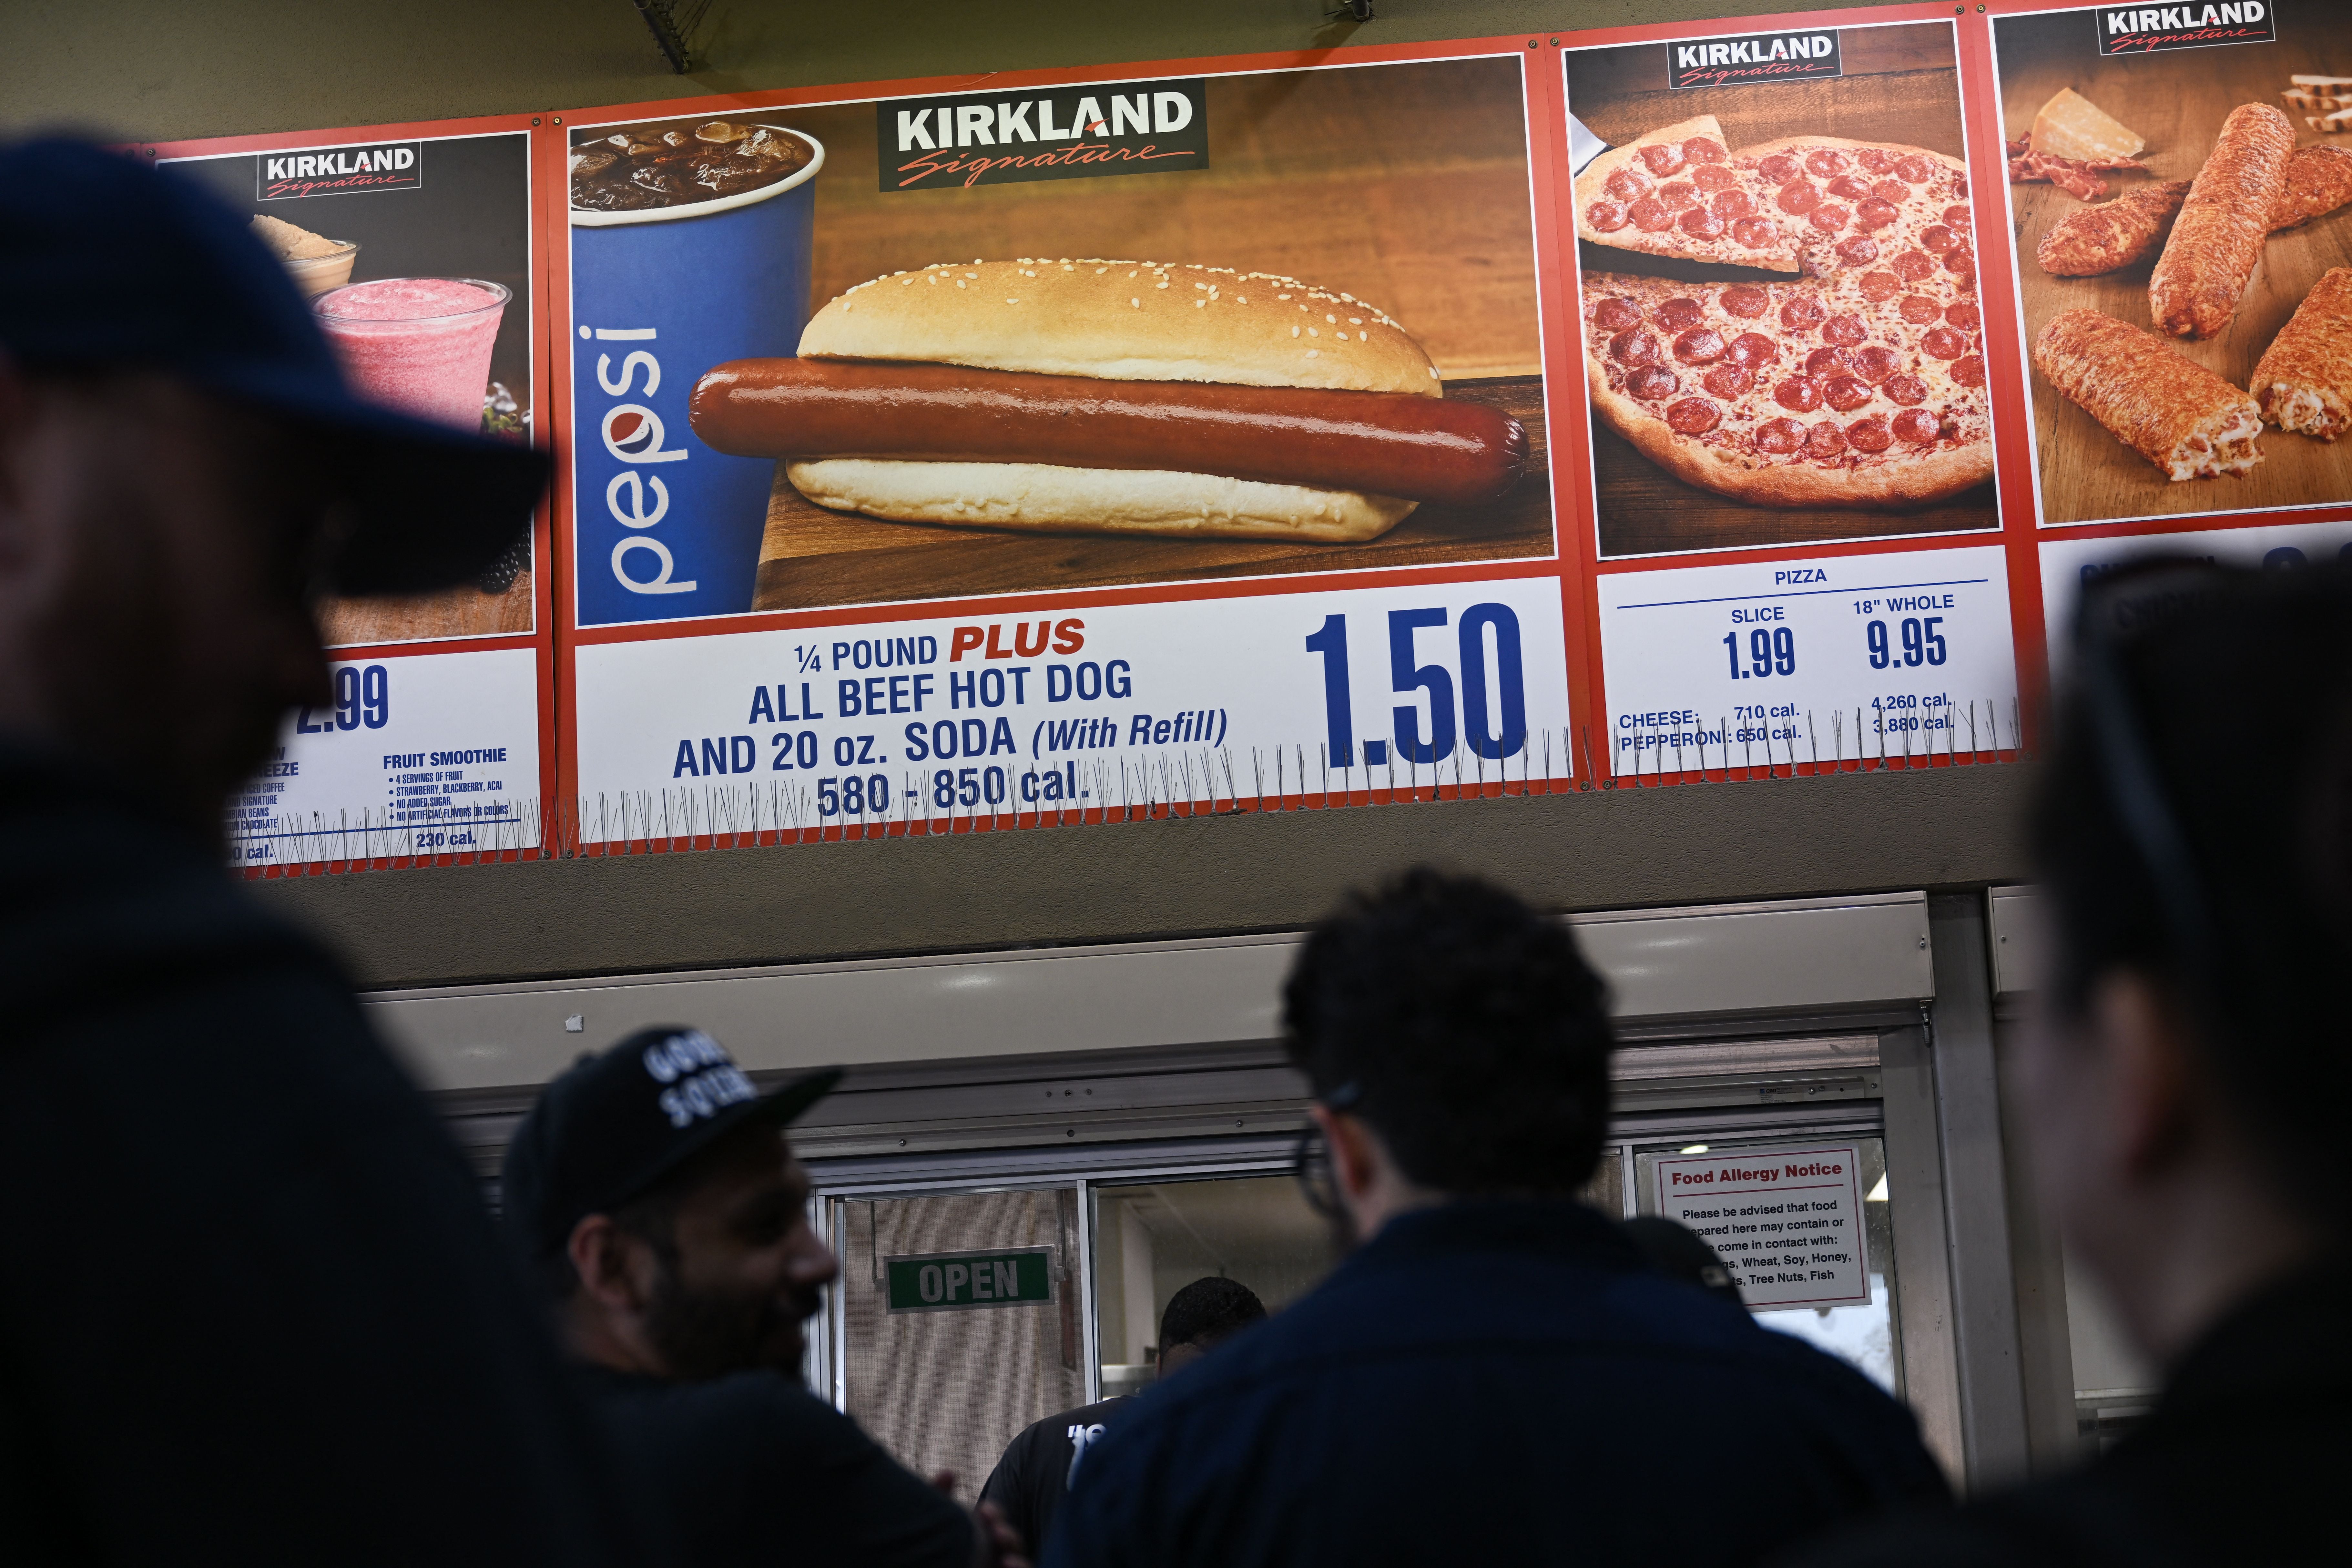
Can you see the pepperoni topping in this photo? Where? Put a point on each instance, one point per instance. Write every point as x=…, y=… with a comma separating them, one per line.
x=1962, y=313
x=1701, y=224
x=1825, y=361
x=1966, y=282
x=1919, y=171
x=1802, y=314
x=1665, y=158
x=1628, y=183
x=1752, y=348
x=1824, y=440
x=1968, y=371
x=1616, y=313
x=1939, y=238
x=1916, y=426
x=1846, y=393
x=1605, y=217
x=1636, y=347
x=1801, y=393
x=1849, y=187
x=1959, y=258
x=1957, y=216
x=1893, y=191
x=1960, y=187
x=1879, y=287
x=1693, y=417
x=1679, y=194
x=1755, y=233
x=1714, y=177
x=1651, y=216
x=1703, y=150
x=1651, y=383
x=1829, y=217
x=1729, y=205
x=1825, y=162
x=1877, y=160
x=1678, y=313
x=1779, y=168
x=1704, y=345
x=1729, y=381
x=1919, y=310
x=1876, y=363
x=1797, y=197
x=1942, y=343
x=1744, y=300
x=1869, y=435
x=1857, y=251
x=1905, y=389
x=1845, y=330
x=1780, y=436
x=1913, y=265
x=1874, y=214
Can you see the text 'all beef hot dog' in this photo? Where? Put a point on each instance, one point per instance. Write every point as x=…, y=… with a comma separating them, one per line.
x=1415, y=447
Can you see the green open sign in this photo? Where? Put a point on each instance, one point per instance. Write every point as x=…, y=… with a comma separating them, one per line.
x=956, y=1282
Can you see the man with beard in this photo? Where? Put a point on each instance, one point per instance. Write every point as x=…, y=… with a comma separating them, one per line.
x=653, y=1193
x=1496, y=1374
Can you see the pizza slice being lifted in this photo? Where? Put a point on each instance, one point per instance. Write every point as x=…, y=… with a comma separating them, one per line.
x=1674, y=192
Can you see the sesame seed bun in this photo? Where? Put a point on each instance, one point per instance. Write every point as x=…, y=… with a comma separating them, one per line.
x=1124, y=320
x=1042, y=498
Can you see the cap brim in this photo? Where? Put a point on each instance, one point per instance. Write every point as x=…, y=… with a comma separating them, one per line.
x=778, y=1109
x=432, y=507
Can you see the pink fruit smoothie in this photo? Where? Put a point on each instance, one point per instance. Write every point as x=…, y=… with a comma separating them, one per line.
x=421, y=344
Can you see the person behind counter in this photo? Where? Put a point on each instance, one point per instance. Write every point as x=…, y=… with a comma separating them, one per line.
x=251, y=1310
x=653, y=1193
x=1496, y=1374
x=1030, y=1482
x=2182, y=1087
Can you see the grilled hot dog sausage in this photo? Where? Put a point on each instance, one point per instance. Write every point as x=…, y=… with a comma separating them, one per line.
x=1391, y=444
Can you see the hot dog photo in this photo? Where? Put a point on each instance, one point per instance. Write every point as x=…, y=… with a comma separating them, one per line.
x=2183, y=204
x=1776, y=279
x=1162, y=331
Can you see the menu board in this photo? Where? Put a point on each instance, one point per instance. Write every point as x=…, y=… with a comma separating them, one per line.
x=416, y=245
x=1665, y=401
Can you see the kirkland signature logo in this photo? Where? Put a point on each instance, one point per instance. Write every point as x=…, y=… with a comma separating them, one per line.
x=1754, y=57
x=2143, y=29
x=1044, y=133
x=377, y=166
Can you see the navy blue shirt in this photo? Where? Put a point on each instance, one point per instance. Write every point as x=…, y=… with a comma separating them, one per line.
x=1493, y=1382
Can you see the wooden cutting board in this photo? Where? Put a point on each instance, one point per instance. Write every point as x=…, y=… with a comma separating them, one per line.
x=2177, y=100
x=460, y=612
x=1899, y=87
x=811, y=555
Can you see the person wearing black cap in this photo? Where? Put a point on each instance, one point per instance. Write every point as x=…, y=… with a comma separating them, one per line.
x=653, y=1193
x=2182, y=1087
x=1030, y=1482
x=1496, y=1374
x=251, y=1310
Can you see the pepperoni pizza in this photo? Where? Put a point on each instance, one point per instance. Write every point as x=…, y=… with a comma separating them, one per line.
x=1858, y=382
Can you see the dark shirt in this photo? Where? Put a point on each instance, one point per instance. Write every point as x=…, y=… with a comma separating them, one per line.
x=1493, y=1382
x=752, y=1468
x=2241, y=1461
x=251, y=1308
x=1029, y=1483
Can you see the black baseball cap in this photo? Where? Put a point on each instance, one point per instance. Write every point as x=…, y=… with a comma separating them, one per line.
x=613, y=1125
x=108, y=262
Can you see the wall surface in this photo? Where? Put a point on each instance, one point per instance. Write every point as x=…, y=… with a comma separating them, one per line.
x=158, y=69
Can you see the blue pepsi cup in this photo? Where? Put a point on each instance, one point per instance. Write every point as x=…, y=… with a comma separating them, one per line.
x=665, y=528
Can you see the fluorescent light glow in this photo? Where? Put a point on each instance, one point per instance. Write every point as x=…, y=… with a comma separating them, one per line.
x=1693, y=1147
x=1876, y=1194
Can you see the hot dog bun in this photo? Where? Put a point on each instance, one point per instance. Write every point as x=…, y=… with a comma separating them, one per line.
x=1041, y=498
x=1124, y=320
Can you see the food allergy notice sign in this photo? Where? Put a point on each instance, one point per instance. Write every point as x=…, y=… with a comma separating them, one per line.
x=1787, y=1223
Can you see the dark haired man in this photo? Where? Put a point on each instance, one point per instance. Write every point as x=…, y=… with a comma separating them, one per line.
x=1496, y=1374
x=2184, y=1086
x=1030, y=1482
x=250, y=1308
x=652, y=1192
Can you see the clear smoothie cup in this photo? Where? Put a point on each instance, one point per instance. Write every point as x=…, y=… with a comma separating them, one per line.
x=314, y=275
x=421, y=344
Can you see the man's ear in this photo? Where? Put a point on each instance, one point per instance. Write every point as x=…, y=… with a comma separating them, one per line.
x=1357, y=1155
x=2152, y=1071
x=615, y=1268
